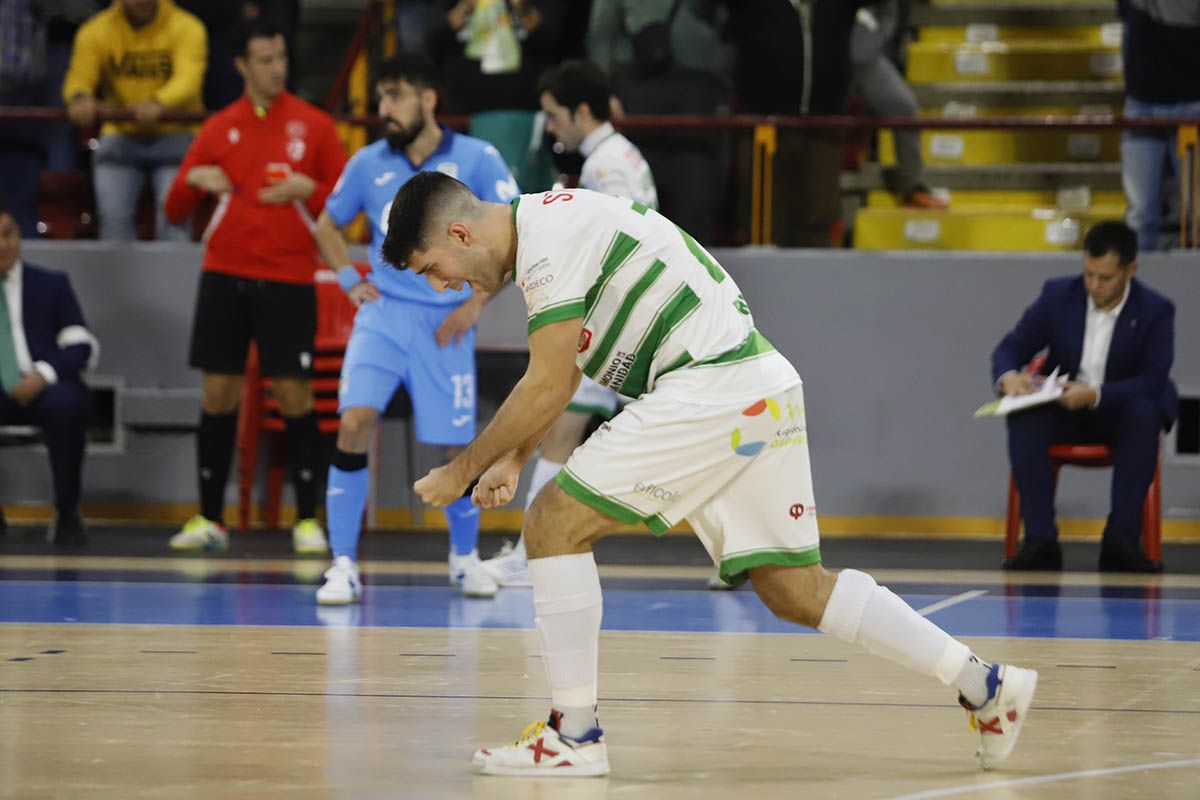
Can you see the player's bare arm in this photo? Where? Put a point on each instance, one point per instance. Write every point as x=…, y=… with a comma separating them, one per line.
x=461, y=319
x=331, y=241
x=536, y=401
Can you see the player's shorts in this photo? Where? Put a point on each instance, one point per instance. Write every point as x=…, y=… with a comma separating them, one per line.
x=592, y=398
x=230, y=311
x=393, y=343
x=740, y=475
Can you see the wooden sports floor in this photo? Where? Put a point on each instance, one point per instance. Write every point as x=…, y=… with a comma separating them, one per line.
x=162, y=677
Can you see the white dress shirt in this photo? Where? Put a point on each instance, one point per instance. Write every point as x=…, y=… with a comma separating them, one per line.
x=613, y=165
x=12, y=294
x=1097, y=340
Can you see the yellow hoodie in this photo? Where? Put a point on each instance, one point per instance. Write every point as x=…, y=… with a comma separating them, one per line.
x=163, y=60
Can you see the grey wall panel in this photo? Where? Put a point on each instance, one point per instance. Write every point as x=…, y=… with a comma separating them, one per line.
x=893, y=349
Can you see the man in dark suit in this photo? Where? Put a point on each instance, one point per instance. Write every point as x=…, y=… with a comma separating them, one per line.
x=44, y=347
x=1115, y=337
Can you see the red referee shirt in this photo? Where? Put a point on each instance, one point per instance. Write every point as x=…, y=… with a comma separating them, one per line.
x=246, y=237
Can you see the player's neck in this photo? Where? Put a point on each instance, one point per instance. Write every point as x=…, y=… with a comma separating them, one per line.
x=426, y=142
x=261, y=102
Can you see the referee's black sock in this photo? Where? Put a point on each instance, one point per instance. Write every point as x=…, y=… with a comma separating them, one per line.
x=303, y=448
x=214, y=451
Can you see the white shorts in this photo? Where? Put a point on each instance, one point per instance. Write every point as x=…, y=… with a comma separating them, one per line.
x=592, y=398
x=739, y=474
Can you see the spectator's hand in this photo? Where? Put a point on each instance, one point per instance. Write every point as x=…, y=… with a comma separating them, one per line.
x=497, y=485
x=441, y=486
x=458, y=15
x=1017, y=383
x=209, y=178
x=1077, y=395
x=147, y=110
x=615, y=109
x=26, y=390
x=294, y=187
x=363, y=292
x=82, y=109
x=458, y=322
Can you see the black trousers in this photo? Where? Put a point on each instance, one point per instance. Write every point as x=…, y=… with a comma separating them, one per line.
x=61, y=411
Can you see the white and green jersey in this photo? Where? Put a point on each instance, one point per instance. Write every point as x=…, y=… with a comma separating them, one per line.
x=653, y=301
x=613, y=165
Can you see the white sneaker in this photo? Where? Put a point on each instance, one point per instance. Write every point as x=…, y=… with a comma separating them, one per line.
x=510, y=566
x=468, y=574
x=200, y=534
x=715, y=583
x=309, y=537
x=543, y=752
x=999, y=720
x=342, y=585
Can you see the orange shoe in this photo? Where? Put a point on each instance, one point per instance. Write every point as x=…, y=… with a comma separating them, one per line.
x=923, y=198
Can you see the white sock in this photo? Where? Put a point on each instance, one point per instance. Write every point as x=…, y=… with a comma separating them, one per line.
x=544, y=471
x=862, y=612
x=567, y=601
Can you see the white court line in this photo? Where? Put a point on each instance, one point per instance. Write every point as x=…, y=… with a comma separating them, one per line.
x=1053, y=778
x=951, y=601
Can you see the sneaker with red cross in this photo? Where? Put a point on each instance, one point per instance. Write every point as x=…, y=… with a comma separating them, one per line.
x=544, y=752
x=1000, y=718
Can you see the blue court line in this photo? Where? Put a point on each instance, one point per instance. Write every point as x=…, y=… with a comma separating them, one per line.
x=307, y=573
x=624, y=610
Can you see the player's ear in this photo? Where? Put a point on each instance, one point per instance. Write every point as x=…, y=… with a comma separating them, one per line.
x=459, y=233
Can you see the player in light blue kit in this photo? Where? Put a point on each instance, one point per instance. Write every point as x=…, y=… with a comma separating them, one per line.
x=404, y=331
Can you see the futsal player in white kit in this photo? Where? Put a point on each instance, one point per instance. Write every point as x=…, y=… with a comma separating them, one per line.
x=715, y=433
x=576, y=98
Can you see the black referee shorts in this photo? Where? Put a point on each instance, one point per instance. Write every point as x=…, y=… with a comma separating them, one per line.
x=230, y=311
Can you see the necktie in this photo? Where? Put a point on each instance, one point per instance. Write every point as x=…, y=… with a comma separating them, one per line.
x=10, y=373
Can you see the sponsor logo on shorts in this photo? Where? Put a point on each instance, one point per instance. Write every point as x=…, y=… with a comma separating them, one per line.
x=785, y=436
x=657, y=492
x=458, y=422
x=798, y=510
x=585, y=339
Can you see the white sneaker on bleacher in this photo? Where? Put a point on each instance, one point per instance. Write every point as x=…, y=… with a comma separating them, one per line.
x=342, y=584
x=200, y=534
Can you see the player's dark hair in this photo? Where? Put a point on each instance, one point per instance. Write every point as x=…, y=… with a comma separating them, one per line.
x=414, y=68
x=1111, y=236
x=575, y=82
x=264, y=27
x=415, y=210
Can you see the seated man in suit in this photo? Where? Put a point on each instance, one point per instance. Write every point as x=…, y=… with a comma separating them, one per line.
x=1115, y=337
x=44, y=347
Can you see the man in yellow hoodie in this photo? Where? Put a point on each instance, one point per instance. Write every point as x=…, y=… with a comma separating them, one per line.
x=145, y=57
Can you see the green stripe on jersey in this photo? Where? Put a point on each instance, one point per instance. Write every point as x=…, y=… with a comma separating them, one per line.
x=639, y=208
x=714, y=269
x=672, y=314
x=624, y=311
x=556, y=313
x=619, y=250
x=754, y=345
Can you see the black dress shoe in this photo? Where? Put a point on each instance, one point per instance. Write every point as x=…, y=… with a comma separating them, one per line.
x=1126, y=556
x=1036, y=555
x=66, y=530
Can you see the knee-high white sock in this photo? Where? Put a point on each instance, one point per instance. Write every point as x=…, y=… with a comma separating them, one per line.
x=862, y=612
x=566, y=598
x=543, y=471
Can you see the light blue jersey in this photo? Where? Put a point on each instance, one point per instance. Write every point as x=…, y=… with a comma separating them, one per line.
x=376, y=172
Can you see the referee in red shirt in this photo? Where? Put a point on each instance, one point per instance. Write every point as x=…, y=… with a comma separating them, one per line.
x=271, y=159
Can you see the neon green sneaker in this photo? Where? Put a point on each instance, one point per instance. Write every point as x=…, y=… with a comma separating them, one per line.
x=200, y=534
x=309, y=537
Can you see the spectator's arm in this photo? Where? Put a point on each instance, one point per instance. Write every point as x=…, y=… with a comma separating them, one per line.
x=544, y=39
x=1160, y=354
x=1031, y=334
x=77, y=347
x=182, y=197
x=189, y=59
x=330, y=161
x=83, y=74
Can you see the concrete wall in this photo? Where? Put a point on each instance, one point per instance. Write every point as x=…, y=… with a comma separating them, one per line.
x=893, y=348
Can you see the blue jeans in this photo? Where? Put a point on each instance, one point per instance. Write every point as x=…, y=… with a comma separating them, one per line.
x=1150, y=170
x=120, y=165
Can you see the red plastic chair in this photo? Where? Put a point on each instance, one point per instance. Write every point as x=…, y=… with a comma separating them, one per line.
x=1089, y=455
x=259, y=413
